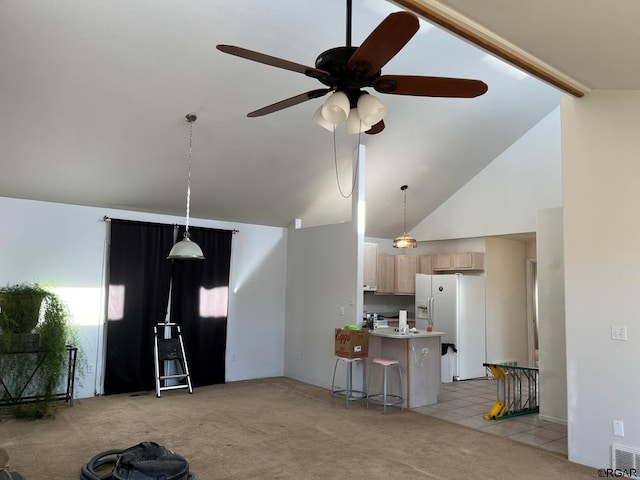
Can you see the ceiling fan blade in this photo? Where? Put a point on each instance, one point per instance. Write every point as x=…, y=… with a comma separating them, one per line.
x=430, y=86
x=377, y=128
x=384, y=43
x=289, y=102
x=273, y=61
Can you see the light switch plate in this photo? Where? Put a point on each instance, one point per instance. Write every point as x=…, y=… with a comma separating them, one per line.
x=618, y=428
x=618, y=332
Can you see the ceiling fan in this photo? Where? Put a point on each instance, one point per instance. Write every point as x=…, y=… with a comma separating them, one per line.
x=347, y=70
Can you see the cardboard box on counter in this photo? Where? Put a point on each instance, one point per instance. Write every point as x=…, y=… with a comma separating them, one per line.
x=352, y=343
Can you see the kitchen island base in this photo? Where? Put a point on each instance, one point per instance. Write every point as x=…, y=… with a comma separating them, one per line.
x=419, y=357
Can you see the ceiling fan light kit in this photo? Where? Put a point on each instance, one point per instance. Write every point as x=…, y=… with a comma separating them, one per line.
x=319, y=120
x=336, y=108
x=347, y=71
x=370, y=109
x=355, y=123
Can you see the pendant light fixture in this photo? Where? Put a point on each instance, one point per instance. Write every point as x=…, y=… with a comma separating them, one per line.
x=404, y=240
x=186, y=248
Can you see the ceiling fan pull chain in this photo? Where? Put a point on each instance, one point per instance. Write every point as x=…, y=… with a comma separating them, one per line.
x=335, y=161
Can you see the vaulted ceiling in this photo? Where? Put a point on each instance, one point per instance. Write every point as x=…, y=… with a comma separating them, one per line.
x=93, y=98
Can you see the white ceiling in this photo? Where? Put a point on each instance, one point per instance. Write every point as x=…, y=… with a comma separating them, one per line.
x=93, y=97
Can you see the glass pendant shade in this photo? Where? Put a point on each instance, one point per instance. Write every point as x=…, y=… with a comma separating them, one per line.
x=336, y=108
x=354, y=124
x=320, y=120
x=405, y=241
x=371, y=110
x=185, y=249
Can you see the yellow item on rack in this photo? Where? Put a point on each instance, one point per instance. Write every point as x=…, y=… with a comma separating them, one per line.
x=494, y=411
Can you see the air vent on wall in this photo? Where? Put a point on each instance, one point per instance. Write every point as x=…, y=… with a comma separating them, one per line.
x=625, y=460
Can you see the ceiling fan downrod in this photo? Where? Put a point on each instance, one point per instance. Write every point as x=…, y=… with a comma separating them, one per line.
x=349, y=14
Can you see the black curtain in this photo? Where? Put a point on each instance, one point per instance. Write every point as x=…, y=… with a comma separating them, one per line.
x=199, y=301
x=139, y=278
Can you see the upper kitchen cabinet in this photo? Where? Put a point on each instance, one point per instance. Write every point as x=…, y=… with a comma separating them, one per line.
x=425, y=264
x=386, y=274
x=370, y=267
x=468, y=261
x=406, y=267
x=454, y=262
x=442, y=261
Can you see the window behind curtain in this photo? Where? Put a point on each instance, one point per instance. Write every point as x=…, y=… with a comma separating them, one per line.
x=199, y=303
x=139, y=279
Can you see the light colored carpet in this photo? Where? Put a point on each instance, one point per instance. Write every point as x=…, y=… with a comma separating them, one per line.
x=274, y=428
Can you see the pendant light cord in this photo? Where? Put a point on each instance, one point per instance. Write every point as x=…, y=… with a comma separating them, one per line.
x=335, y=161
x=405, y=211
x=186, y=228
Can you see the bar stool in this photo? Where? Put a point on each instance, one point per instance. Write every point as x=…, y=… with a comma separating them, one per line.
x=385, y=398
x=348, y=393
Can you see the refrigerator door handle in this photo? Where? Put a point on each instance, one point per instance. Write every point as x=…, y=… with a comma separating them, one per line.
x=431, y=303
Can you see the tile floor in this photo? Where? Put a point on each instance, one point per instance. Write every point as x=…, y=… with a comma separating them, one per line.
x=465, y=402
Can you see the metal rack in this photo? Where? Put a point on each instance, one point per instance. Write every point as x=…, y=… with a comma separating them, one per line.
x=517, y=391
x=6, y=398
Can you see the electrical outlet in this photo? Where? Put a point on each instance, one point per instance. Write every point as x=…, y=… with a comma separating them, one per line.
x=341, y=310
x=618, y=332
x=90, y=368
x=352, y=301
x=425, y=350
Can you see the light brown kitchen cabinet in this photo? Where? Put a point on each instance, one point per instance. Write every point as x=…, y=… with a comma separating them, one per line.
x=406, y=267
x=468, y=261
x=386, y=274
x=425, y=264
x=370, y=266
x=442, y=261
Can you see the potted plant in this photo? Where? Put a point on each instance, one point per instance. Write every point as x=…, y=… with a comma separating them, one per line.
x=29, y=369
x=20, y=307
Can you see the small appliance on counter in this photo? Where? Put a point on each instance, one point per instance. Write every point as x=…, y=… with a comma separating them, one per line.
x=374, y=321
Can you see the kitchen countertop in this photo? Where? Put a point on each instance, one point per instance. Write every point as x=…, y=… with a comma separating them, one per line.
x=391, y=333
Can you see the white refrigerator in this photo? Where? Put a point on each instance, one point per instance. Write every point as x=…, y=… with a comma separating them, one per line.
x=455, y=305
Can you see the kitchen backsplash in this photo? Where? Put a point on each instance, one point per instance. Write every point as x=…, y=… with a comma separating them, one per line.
x=388, y=303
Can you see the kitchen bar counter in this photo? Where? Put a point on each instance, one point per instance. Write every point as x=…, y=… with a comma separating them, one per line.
x=419, y=355
x=391, y=333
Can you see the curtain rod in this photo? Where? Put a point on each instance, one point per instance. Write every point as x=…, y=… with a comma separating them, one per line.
x=108, y=219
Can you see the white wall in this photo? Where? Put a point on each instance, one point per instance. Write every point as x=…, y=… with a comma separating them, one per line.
x=601, y=172
x=506, y=305
x=324, y=272
x=506, y=195
x=551, y=319
x=64, y=245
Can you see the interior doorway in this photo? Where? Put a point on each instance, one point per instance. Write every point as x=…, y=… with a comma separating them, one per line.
x=532, y=311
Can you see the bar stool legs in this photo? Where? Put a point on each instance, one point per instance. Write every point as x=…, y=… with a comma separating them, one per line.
x=348, y=393
x=385, y=398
